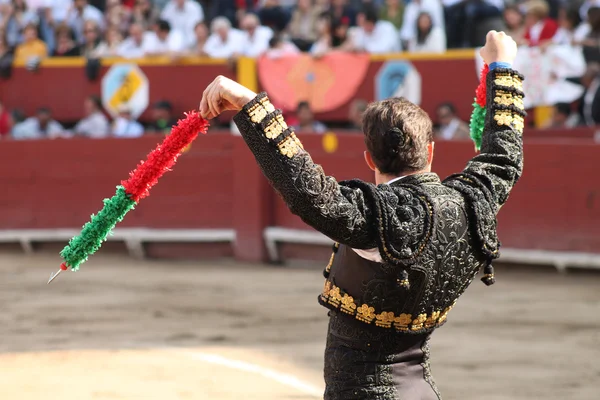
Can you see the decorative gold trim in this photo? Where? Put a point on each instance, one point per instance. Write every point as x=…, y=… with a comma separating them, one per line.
x=365, y=313
x=508, y=81
x=348, y=305
x=418, y=322
x=266, y=103
x=275, y=127
x=402, y=322
x=508, y=99
x=508, y=118
x=385, y=319
x=258, y=114
x=330, y=263
x=290, y=146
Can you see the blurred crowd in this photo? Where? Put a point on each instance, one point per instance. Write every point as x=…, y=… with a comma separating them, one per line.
x=31, y=30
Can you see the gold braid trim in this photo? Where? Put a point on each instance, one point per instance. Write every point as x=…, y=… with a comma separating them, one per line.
x=336, y=297
x=275, y=127
x=290, y=146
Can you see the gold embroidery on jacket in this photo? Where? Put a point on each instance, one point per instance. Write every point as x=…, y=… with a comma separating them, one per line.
x=386, y=319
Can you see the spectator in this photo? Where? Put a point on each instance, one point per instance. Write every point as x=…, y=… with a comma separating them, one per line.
x=273, y=15
x=341, y=11
x=32, y=48
x=58, y=10
x=112, y=45
x=303, y=26
x=469, y=21
x=81, y=12
x=411, y=15
x=65, y=45
x=393, y=11
x=227, y=8
x=125, y=126
x=589, y=103
x=93, y=46
x=18, y=18
x=340, y=29
x=586, y=6
x=162, y=115
x=281, y=48
x=374, y=36
x=95, y=124
x=145, y=13
x=256, y=37
x=429, y=39
x=357, y=109
x=117, y=15
x=201, y=36
x=591, y=43
x=136, y=44
x=6, y=122
x=324, y=42
x=306, y=119
x=163, y=40
x=183, y=15
x=450, y=127
x=38, y=127
x=515, y=23
x=224, y=40
x=563, y=117
x=569, y=21
x=539, y=28
x=6, y=56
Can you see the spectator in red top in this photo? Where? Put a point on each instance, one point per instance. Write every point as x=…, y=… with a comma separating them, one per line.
x=6, y=122
x=540, y=29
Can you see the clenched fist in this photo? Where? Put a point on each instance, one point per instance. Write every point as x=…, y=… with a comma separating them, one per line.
x=223, y=94
x=499, y=47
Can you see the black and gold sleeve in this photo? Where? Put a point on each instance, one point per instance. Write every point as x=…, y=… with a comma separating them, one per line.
x=489, y=177
x=337, y=211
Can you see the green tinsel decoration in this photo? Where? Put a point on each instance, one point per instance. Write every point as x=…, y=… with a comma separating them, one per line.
x=477, y=124
x=96, y=231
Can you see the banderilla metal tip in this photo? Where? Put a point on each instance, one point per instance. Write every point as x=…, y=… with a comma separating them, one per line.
x=54, y=275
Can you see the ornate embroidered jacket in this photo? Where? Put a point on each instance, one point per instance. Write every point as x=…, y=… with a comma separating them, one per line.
x=433, y=236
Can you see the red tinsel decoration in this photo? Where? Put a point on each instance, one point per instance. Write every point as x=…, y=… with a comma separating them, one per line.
x=161, y=159
x=481, y=89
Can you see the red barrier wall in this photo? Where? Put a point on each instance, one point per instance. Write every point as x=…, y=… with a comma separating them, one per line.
x=63, y=89
x=52, y=184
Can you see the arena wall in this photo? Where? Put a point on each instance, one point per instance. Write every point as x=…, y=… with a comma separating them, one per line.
x=52, y=184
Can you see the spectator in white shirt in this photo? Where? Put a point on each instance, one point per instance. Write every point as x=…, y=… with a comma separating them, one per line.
x=58, y=9
x=183, y=15
x=125, y=126
x=224, y=41
x=373, y=35
x=429, y=39
x=136, y=44
x=568, y=21
x=163, y=40
x=201, y=37
x=81, y=12
x=411, y=14
x=39, y=127
x=95, y=124
x=256, y=36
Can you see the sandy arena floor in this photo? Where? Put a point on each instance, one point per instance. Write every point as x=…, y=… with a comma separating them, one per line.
x=129, y=330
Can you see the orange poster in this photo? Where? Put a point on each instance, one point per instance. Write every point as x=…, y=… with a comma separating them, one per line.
x=326, y=83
